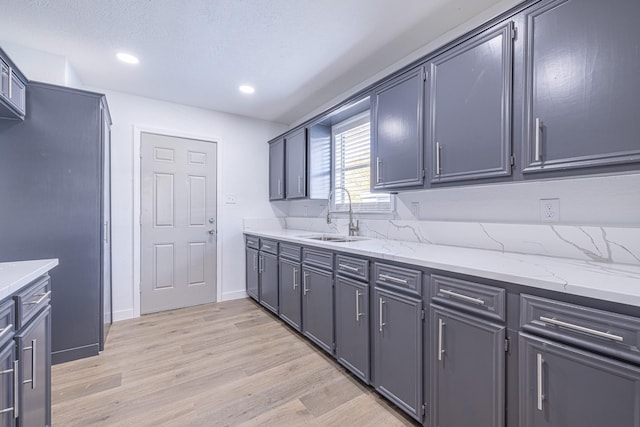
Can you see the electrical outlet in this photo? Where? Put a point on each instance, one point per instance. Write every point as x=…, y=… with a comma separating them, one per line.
x=415, y=209
x=550, y=210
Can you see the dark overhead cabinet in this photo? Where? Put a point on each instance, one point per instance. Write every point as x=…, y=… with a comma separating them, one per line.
x=296, y=164
x=53, y=187
x=397, y=157
x=469, y=111
x=582, y=94
x=13, y=84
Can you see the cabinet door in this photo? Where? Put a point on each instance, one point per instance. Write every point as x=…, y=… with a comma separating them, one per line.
x=471, y=83
x=290, y=295
x=276, y=170
x=398, y=350
x=352, y=326
x=397, y=157
x=34, y=349
x=7, y=384
x=252, y=276
x=581, y=76
x=296, y=161
x=317, y=307
x=467, y=370
x=563, y=386
x=269, y=281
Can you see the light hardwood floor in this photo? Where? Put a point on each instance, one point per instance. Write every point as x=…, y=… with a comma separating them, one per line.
x=219, y=364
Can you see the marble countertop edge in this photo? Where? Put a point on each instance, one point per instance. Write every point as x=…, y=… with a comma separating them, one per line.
x=16, y=274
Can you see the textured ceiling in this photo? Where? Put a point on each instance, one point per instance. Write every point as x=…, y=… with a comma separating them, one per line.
x=299, y=54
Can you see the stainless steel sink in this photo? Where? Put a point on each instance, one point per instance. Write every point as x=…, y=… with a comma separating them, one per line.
x=333, y=238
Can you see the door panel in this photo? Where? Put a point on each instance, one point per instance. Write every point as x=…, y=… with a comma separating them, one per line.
x=269, y=281
x=317, y=307
x=290, y=295
x=352, y=326
x=178, y=222
x=252, y=278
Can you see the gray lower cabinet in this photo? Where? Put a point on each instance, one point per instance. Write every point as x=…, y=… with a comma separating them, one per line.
x=317, y=306
x=252, y=274
x=561, y=385
x=397, y=132
x=471, y=82
x=290, y=293
x=581, y=104
x=397, y=343
x=269, y=281
x=467, y=370
x=296, y=164
x=352, y=326
x=7, y=384
x=276, y=170
x=34, y=372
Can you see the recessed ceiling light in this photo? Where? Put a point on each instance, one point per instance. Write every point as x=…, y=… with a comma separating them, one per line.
x=128, y=58
x=246, y=89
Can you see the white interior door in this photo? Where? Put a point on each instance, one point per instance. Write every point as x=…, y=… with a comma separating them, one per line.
x=178, y=222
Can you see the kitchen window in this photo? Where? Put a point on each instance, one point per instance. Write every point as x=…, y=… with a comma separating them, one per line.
x=351, y=143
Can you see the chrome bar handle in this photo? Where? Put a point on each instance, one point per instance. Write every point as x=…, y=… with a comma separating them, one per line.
x=255, y=262
x=16, y=388
x=260, y=264
x=348, y=267
x=299, y=184
x=438, y=164
x=279, y=187
x=10, y=82
x=582, y=329
x=358, y=314
x=462, y=297
x=33, y=364
x=381, y=323
x=385, y=277
x=440, y=331
x=378, y=164
x=539, y=363
x=305, y=289
x=42, y=298
x=537, y=147
x=295, y=273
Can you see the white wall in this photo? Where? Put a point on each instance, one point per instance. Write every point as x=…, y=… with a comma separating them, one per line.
x=243, y=157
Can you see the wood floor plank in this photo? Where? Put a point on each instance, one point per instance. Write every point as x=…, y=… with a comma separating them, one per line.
x=221, y=364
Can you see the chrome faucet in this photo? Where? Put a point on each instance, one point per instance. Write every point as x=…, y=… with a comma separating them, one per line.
x=353, y=227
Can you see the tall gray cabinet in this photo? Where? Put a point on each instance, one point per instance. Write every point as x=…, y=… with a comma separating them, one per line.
x=276, y=170
x=53, y=175
x=296, y=164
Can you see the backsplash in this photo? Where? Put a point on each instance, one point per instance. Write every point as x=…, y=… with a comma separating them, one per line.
x=589, y=243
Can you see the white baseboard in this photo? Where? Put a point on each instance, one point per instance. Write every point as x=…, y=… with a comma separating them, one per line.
x=123, y=315
x=228, y=296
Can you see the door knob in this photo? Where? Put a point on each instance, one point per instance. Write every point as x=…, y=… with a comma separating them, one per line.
x=212, y=220
x=212, y=231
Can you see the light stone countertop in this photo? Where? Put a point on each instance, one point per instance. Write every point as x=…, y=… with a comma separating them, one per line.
x=14, y=275
x=618, y=283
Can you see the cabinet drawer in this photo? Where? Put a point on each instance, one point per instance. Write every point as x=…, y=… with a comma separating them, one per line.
x=252, y=242
x=270, y=246
x=291, y=252
x=394, y=277
x=32, y=299
x=352, y=267
x=601, y=331
x=318, y=258
x=7, y=319
x=484, y=300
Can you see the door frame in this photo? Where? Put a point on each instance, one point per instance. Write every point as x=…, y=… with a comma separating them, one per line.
x=137, y=200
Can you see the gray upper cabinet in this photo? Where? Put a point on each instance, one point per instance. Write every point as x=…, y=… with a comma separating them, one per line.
x=12, y=89
x=469, y=108
x=317, y=306
x=352, y=326
x=582, y=95
x=296, y=164
x=276, y=170
x=397, y=155
x=563, y=386
x=397, y=338
x=290, y=294
x=467, y=370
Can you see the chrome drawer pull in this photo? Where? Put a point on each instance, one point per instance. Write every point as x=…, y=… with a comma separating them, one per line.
x=440, y=333
x=266, y=247
x=358, y=314
x=381, y=323
x=42, y=298
x=348, y=267
x=539, y=362
x=295, y=273
x=462, y=297
x=305, y=290
x=392, y=279
x=582, y=329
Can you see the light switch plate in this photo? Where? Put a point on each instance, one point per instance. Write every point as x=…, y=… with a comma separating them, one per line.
x=230, y=199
